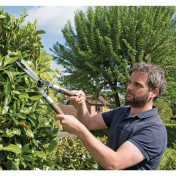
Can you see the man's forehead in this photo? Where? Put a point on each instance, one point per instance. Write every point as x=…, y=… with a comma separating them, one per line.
x=139, y=76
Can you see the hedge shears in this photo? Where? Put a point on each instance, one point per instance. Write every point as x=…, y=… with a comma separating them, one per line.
x=44, y=84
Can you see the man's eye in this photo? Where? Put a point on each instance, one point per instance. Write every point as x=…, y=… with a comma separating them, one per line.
x=137, y=84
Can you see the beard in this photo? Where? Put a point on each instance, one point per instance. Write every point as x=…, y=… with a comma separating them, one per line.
x=137, y=101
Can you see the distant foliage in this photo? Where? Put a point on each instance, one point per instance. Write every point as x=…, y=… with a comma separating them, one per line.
x=105, y=42
x=164, y=110
x=171, y=131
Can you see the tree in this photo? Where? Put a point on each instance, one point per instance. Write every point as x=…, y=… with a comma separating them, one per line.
x=99, y=52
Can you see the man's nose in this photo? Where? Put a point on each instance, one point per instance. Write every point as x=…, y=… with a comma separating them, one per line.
x=130, y=87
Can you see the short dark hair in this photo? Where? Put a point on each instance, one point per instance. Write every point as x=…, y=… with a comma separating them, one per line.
x=156, y=76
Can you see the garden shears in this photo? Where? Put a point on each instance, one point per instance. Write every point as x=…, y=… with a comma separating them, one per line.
x=42, y=83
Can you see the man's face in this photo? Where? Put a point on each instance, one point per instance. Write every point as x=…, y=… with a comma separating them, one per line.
x=137, y=91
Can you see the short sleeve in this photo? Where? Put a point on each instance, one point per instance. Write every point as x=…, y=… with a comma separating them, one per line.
x=151, y=140
x=108, y=116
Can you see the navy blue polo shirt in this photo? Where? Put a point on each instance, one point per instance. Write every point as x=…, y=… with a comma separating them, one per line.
x=146, y=131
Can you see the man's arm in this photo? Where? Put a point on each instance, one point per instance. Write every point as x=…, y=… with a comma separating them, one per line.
x=126, y=156
x=92, y=122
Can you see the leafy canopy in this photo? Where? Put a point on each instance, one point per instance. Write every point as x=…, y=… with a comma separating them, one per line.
x=106, y=41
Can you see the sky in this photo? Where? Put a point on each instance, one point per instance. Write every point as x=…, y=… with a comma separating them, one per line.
x=52, y=15
x=51, y=19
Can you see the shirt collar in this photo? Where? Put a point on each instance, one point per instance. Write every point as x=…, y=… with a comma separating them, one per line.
x=145, y=114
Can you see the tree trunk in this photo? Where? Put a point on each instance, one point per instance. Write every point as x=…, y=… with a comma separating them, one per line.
x=117, y=100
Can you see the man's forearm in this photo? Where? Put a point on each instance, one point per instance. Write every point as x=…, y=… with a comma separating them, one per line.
x=100, y=152
x=83, y=114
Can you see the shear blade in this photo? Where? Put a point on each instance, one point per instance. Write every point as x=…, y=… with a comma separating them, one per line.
x=27, y=69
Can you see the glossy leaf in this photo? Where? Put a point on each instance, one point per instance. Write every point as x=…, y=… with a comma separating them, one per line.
x=11, y=74
x=37, y=97
x=23, y=95
x=9, y=60
x=11, y=132
x=40, y=154
x=7, y=100
x=11, y=148
x=35, y=142
x=29, y=133
x=20, y=115
x=15, y=92
x=8, y=87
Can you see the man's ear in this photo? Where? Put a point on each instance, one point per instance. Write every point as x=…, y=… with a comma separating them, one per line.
x=155, y=92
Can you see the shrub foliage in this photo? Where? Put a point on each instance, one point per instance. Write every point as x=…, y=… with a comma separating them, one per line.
x=27, y=135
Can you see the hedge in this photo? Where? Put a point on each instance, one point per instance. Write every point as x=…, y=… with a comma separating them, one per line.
x=171, y=134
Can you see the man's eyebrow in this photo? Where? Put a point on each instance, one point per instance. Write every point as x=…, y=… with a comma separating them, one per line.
x=137, y=82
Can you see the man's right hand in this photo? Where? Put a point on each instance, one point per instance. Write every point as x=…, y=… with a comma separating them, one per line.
x=79, y=98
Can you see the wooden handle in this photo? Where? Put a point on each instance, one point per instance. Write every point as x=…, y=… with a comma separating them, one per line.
x=67, y=92
x=56, y=108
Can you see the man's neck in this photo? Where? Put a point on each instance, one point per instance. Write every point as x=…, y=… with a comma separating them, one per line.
x=136, y=110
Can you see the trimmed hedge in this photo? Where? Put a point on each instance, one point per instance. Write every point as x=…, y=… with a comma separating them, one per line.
x=71, y=154
x=100, y=133
x=171, y=134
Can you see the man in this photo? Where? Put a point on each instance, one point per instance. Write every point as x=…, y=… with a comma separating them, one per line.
x=137, y=137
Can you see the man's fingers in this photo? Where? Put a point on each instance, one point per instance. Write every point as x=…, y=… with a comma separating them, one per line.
x=79, y=93
x=60, y=117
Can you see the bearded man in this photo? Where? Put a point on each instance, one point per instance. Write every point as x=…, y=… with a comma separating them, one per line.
x=137, y=137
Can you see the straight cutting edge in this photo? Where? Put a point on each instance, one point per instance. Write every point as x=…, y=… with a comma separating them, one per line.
x=28, y=70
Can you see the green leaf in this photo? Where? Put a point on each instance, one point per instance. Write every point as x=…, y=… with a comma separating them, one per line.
x=15, y=166
x=11, y=132
x=25, y=148
x=45, y=69
x=27, y=110
x=28, y=81
x=8, y=87
x=15, y=92
x=15, y=120
x=7, y=100
x=11, y=74
x=52, y=145
x=28, y=157
x=35, y=142
x=23, y=95
x=40, y=154
x=11, y=148
x=8, y=60
x=33, y=121
x=1, y=61
x=2, y=16
x=40, y=32
x=29, y=133
x=16, y=131
x=37, y=97
x=20, y=115
x=5, y=109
